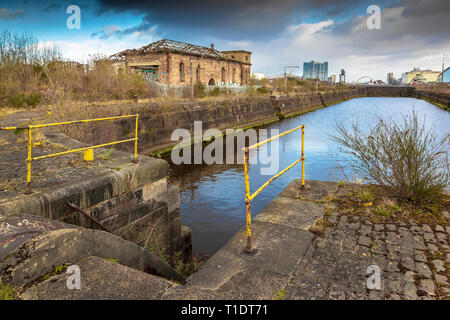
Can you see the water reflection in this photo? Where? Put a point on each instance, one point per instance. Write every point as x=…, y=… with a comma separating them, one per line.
x=212, y=196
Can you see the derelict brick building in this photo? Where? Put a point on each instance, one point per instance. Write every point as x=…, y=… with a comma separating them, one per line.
x=177, y=63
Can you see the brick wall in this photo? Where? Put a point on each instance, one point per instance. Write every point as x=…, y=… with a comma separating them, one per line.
x=169, y=68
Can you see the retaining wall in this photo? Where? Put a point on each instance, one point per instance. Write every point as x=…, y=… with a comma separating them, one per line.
x=158, y=120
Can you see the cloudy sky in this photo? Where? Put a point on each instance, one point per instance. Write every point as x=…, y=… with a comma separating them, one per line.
x=278, y=32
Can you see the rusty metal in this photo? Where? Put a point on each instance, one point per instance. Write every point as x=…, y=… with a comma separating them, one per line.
x=72, y=206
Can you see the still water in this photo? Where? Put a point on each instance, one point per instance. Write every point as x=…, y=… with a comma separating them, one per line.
x=212, y=196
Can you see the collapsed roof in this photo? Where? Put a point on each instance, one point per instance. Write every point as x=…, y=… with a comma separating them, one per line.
x=166, y=45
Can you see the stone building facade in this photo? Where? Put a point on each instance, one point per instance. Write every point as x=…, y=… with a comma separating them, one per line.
x=176, y=63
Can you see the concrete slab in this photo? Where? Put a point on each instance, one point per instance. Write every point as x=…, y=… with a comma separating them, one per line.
x=290, y=212
x=247, y=284
x=39, y=255
x=314, y=190
x=100, y=279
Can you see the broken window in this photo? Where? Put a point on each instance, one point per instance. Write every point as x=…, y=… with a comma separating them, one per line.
x=181, y=72
x=198, y=73
x=223, y=74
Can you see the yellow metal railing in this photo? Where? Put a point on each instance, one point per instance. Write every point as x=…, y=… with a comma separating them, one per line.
x=249, y=197
x=30, y=145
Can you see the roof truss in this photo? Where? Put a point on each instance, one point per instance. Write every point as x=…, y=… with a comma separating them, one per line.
x=170, y=45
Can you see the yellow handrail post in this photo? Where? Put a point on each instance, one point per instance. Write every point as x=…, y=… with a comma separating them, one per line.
x=135, y=160
x=303, y=156
x=248, y=202
x=28, y=187
x=249, y=197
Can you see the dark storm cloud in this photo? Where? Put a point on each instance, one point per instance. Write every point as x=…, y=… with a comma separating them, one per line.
x=8, y=14
x=237, y=19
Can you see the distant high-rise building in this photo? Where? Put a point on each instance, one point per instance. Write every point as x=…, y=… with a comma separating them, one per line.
x=314, y=70
x=391, y=80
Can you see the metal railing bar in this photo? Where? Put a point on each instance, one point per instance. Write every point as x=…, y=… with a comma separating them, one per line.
x=273, y=138
x=83, y=149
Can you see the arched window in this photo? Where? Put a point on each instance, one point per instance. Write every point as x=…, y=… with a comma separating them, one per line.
x=181, y=72
x=223, y=75
x=233, y=75
x=198, y=73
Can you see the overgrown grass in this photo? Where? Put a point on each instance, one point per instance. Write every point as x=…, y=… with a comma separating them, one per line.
x=386, y=208
x=30, y=75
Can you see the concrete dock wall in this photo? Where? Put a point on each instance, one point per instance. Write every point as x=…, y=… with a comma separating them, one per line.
x=157, y=120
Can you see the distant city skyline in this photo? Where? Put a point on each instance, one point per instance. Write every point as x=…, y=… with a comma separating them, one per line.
x=413, y=33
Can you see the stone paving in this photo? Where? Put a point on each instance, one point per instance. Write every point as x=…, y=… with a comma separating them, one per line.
x=413, y=260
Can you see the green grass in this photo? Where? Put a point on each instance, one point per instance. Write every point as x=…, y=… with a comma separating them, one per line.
x=387, y=209
x=366, y=196
x=106, y=154
x=6, y=292
x=281, y=294
x=111, y=259
x=58, y=270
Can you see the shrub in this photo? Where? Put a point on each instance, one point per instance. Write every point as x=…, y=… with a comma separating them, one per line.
x=263, y=90
x=405, y=158
x=215, y=92
x=17, y=100
x=199, y=90
x=251, y=91
x=33, y=99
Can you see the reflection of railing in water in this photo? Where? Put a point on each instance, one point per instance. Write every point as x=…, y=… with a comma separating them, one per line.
x=88, y=150
x=249, y=197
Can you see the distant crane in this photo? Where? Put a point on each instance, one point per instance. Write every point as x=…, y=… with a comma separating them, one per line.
x=342, y=76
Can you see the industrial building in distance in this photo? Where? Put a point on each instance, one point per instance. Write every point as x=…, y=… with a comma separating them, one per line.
x=177, y=63
x=420, y=76
x=446, y=75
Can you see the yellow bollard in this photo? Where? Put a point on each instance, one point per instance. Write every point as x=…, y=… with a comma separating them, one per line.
x=89, y=155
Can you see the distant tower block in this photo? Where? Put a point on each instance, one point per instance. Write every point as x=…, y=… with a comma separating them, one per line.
x=342, y=76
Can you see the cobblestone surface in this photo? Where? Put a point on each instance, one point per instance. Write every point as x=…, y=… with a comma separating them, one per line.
x=413, y=260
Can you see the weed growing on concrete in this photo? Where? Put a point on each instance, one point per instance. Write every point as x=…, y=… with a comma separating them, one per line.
x=7, y=292
x=281, y=294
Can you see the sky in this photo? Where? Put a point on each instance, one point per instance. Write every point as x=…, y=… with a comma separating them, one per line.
x=411, y=33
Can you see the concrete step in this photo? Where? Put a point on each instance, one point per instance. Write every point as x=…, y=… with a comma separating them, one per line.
x=100, y=279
